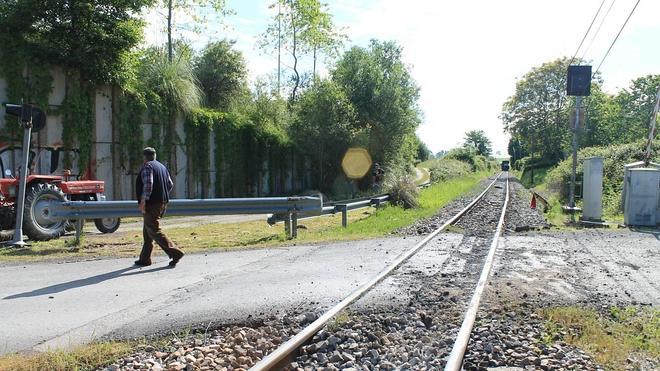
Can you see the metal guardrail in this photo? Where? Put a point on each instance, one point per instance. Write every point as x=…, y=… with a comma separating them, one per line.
x=180, y=207
x=342, y=207
x=290, y=206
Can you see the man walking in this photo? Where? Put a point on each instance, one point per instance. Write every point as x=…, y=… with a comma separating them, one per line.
x=153, y=186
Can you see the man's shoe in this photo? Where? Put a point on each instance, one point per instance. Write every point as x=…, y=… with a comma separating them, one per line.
x=175, y=260
x=140, y=263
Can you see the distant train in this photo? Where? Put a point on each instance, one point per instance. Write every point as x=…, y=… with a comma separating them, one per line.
x=505, y=165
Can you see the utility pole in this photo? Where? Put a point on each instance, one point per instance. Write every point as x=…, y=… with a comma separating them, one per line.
x=578, y=84
x=279, y=43
x=576, y=125
x=649, y=144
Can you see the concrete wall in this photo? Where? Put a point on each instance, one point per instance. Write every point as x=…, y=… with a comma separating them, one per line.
x=47, y=146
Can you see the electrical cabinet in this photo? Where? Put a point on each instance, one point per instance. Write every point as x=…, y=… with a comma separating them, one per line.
x=642, y=197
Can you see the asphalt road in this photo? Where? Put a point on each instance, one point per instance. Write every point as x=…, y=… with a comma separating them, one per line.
x=51, y=305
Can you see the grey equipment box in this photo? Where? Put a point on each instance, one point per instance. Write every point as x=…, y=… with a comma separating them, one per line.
x=642, y=197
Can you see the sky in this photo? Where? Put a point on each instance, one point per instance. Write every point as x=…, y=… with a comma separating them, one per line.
x=465, y=55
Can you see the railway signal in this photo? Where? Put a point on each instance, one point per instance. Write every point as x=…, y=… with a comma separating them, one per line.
x=578, y=84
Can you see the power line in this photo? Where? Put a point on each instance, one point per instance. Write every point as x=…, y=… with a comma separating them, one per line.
x=587, y=33
x=602, y=21
x=616, y=38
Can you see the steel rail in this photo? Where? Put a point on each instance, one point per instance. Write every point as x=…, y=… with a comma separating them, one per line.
x=273, y=360
x=455, y=360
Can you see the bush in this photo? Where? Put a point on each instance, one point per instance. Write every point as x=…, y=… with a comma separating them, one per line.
x=615, y=157
x=401, y=188
x=447, y=168
x=470, y=156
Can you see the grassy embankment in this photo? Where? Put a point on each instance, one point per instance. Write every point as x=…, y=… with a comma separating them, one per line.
x=613, y=338
x=364, y=223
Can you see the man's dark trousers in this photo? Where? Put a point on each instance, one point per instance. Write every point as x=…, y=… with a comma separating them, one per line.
x=152, y=232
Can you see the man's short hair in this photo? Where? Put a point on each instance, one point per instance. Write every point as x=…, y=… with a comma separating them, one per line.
x=149, y=153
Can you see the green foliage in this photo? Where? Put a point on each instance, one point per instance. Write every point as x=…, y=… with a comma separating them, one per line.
x=222, y=74
x=448, y=168
x=78, y=123
x=537, y=113
x=615, y=157
x=302, y=27
x=478, y=140
x=131, y=110
x=241, y=148
x=469, y=155
x=627, y=114
x=174, y=82
x=90, y=40
x=322, y=129
x=423, y=152
x=90, y=37
x=385, y=98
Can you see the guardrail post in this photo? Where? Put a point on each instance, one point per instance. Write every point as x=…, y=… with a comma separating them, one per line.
x=79, y=229
x=294, y=225
x=287, y=225
x=376, y=202
x=344, y=216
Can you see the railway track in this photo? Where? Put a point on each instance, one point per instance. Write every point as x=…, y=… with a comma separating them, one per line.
x=444, y=321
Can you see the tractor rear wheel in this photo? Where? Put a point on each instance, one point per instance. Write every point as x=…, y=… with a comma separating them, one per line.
x=37, y=223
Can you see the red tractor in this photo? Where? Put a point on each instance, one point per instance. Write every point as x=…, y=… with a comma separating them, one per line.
x=41, y=190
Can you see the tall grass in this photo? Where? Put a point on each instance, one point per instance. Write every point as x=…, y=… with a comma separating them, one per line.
x=610, y=338
x=88, y=357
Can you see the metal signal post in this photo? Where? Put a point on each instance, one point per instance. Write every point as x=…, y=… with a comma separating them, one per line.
x=26, y=123
x=578, y=84
x=576, y=126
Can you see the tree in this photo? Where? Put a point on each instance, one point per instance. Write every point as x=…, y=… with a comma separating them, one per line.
x=322, y=128
x=423, y=152
x=173, y=89
x=537, y=113
x=478, y=140
x=222, y=74
x=188, y=6
x=635, y=106
x=301, y=27
x=385, y=97
x=89, y=37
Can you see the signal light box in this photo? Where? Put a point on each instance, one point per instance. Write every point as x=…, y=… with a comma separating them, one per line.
x=578, y=82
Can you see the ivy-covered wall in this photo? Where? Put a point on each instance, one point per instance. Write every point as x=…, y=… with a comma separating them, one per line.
x=246, y=161
x=104, y=130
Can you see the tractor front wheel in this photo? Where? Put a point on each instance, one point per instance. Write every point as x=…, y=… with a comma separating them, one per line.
x=107, y=225
x=37, y=223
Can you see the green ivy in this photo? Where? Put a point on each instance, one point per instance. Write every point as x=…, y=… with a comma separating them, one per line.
x=26, y=82
x=77, y=112
x=240, y=150
x=131, y=110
